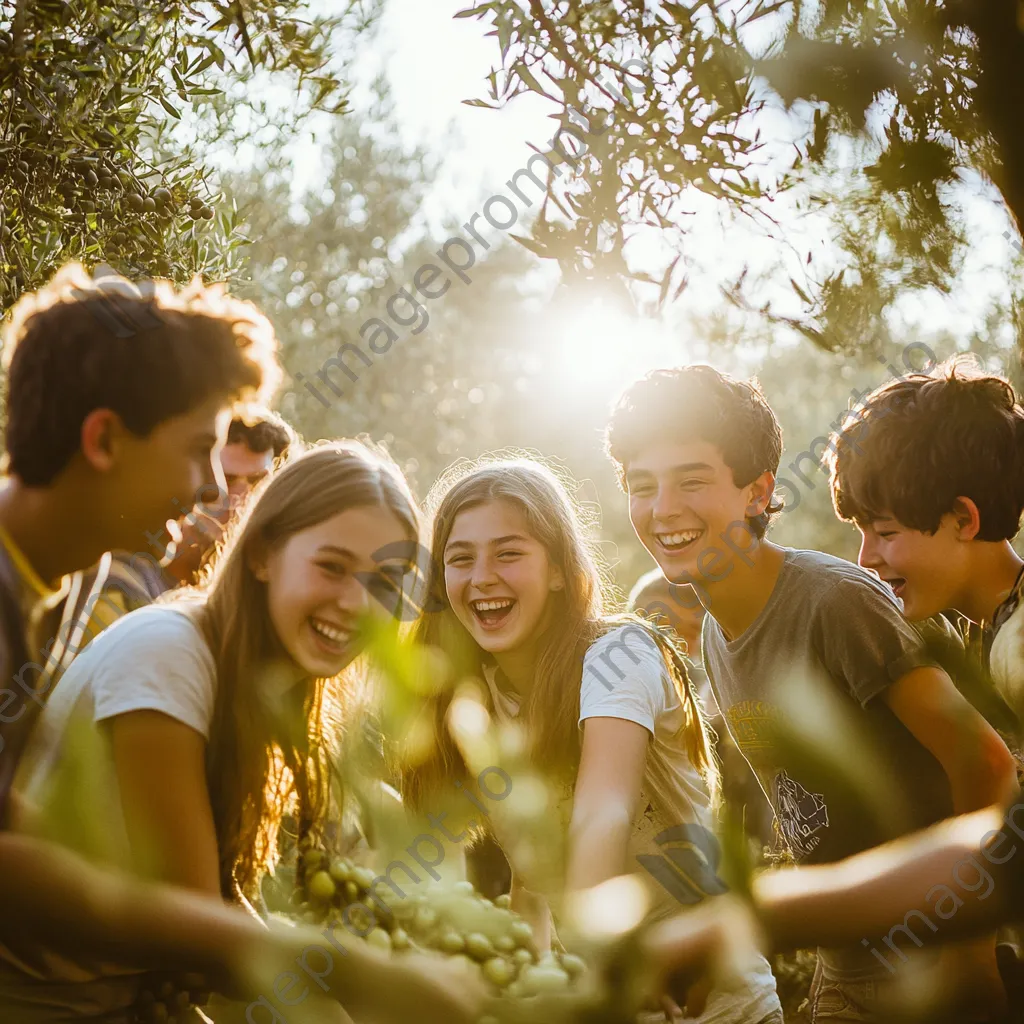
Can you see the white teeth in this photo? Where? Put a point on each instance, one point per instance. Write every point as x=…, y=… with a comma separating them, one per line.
x=492, y=606
x=682, y=537
x=332, y=633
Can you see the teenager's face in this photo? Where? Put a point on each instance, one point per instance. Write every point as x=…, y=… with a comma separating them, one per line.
x=688, y=512
x=498, y=578
x=315, y=597
x=243, y=469
x=924, y=570
x=162, y=476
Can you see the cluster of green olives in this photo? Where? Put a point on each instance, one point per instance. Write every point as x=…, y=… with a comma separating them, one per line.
x=484, y=935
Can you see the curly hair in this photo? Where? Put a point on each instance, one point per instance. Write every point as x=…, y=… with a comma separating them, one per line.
x=261, y=430
x=146, y=351
x=698, y=402
x=920, y=442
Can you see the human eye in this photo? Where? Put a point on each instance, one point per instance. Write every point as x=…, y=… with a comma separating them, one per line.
x=640, y=489
x=509, y=554
x=692, y=483
x=333, y=567
x=457, y=560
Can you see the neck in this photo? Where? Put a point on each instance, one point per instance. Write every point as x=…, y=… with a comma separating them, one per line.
x=49, y=529
x=519, y=667
x=994, y=570
x=740, y=595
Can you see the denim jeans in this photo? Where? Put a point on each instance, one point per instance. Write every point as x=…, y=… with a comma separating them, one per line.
x=842, y=1002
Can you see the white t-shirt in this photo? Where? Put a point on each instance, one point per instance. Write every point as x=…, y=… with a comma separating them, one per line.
x=672, y=844
x=153, y=659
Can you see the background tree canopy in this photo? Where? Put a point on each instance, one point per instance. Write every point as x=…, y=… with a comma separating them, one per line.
x=892, y=105
x=92, y=93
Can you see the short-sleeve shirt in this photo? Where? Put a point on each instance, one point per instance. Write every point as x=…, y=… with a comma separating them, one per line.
x=154, y=659
x=815, y=662
x=672, y=843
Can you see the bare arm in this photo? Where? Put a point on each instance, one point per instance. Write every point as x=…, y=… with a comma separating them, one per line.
x=980, y=769
x=605, y=800
x=53, y=895
x=161, y=773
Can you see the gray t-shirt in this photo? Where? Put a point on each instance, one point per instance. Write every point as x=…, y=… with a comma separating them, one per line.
x=799, y=694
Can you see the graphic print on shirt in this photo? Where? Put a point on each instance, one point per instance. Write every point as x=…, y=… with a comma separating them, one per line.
x=753, y=725
x=802, y=815
x=688, y=869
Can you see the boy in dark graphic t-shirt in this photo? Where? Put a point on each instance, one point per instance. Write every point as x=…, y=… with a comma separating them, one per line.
x=856, y=735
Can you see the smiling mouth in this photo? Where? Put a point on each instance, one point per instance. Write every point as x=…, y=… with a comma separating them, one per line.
x=897, y=583
x=674, y=543
x=493, y=613
x=335, y=638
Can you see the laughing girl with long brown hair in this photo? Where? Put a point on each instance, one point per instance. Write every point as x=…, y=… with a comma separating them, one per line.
x=607, y=709
x=220, y=709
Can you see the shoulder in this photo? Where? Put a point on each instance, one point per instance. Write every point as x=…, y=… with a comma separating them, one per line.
x=829, y=581
x=629, y=641
x=143, y=637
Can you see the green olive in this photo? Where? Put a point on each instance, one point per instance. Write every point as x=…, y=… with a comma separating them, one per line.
x=452, y=942
x=321, y=887
x=207, y=213
x=522, y=957
x=521, y=932
x=161, y=196
x=363, y=877
x=400, y=939
x=478, y=946
x=499, y=972
x=538, y=980
x=341, y=870
x=504, y=901
x=463, y=888
x=135, y=201
x=149, y=204
x=426, y=918
x=312, y=859
x=573, y=964
x=504, y=944
x=351, y=892
x=379, y=939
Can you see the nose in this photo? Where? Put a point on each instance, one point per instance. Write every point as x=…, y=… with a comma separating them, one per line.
x=483, y=574
x=665, y=505
x=868, y=557
x=355, y=593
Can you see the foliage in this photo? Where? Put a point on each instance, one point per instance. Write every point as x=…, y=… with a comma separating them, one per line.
x=92, y=94
x=892, y=102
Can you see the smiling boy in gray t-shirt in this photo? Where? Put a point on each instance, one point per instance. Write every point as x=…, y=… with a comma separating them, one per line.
x=854, y=732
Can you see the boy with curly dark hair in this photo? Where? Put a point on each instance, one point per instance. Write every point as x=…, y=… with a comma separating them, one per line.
x=807, y=654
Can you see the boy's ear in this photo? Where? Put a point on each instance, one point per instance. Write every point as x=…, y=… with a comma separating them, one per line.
x=967, y=518
x=761, y=491
x=100, y=438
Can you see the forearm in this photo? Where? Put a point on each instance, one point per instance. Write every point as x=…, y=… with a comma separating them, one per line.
x=868, y=894
x=598, y=845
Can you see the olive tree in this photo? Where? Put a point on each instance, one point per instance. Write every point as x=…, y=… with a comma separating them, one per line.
x=891, y=104
x=98, y=99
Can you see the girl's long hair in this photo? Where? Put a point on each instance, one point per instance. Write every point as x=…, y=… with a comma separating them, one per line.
x=259, y=760
x=550, y=711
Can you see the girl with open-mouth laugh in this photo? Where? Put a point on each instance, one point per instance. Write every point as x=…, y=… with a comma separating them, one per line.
x=607, y=709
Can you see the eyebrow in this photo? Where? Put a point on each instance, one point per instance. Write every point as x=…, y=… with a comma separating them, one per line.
x=684, y=467
x=335, y=550
x=498, y=540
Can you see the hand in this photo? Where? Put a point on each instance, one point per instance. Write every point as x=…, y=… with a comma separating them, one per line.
x=689, y=953
x=370, y=986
